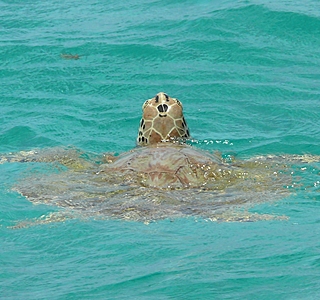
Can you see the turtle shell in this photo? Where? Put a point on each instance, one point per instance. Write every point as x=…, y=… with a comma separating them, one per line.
x=167, y=165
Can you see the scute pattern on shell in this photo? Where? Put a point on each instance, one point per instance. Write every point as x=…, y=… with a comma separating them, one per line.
x=162, y=121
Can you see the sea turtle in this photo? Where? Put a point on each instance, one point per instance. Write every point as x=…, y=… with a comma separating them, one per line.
x=163, y=177
x=163, y=159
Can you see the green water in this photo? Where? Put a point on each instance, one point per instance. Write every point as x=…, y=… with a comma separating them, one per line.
x=248, y=74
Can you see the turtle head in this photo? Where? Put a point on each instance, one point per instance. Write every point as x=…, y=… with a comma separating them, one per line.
x=162, y=121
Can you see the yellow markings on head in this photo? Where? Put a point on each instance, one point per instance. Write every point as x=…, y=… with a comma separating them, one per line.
x=162, y=121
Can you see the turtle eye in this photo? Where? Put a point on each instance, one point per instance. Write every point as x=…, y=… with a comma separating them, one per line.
x=184, y=124
x=179, y=103
x=145, y=104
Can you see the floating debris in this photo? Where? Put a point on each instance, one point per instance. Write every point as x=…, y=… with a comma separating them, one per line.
x=69, y=56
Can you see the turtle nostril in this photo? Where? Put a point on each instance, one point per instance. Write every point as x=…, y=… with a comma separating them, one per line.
x=162, y=108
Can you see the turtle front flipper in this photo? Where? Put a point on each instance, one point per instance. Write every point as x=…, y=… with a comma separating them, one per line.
x=54, y=217
x=21, y=156
x=68, y=157
x=244, y=216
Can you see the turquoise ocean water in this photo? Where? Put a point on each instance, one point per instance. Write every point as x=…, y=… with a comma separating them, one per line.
x=248, y=74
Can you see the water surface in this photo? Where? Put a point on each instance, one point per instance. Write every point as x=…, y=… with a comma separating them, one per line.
x=248, y=75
